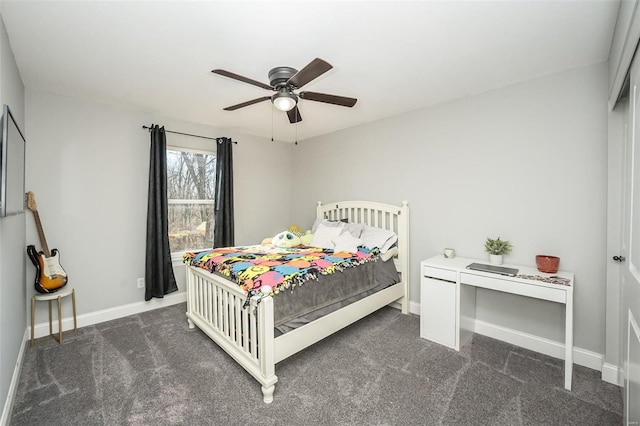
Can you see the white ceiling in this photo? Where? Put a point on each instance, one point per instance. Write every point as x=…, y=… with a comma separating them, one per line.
x=393, y=56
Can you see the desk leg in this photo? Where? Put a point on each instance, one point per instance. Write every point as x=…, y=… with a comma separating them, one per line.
x=73, y=301
x=466, y=311
x=568, y=345
x=50, y=320
x=60, y=318
x=33, y=316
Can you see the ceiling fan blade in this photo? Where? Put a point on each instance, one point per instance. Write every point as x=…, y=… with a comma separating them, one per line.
x=244, y=104
x=313, y=70
x=328, y=99
x=241, y=78
x=294, y=115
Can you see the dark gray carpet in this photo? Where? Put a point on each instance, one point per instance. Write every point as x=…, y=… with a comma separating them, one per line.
x=150, y=369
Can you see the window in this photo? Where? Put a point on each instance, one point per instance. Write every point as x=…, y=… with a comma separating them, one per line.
x=190, y=192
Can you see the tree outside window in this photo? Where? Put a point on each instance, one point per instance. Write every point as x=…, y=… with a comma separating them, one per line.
x=190, y=192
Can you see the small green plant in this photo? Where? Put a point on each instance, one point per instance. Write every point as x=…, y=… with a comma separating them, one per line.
x=497, y=246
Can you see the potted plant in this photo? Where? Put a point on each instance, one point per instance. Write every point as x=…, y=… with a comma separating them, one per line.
x=496, y=249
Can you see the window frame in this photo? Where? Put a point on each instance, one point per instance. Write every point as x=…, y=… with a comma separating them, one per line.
x=176, y=257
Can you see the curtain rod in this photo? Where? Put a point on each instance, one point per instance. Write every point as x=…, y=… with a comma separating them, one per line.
x=187, y=134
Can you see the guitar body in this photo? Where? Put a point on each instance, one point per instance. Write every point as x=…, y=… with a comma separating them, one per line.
x=50, y=276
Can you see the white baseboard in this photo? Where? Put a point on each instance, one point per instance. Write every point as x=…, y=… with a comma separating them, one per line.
x=42, y=329
x=13, y=386
x=611, y=374
x=414, y=308
x=552, y=348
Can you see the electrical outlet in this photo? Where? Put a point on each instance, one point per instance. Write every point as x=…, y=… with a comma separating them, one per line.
x=140, y=282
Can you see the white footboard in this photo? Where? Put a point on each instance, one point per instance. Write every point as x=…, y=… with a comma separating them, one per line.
x=214, y=305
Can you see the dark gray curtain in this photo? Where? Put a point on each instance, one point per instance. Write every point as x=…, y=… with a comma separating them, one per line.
x=158, y=274
x=223, y=231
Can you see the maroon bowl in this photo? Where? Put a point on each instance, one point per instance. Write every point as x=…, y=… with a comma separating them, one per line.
x=547, y=264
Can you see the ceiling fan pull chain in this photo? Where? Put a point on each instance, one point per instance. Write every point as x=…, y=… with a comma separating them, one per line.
x=271, y=122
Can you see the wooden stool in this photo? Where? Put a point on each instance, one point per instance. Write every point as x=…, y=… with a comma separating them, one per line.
x=49, y=297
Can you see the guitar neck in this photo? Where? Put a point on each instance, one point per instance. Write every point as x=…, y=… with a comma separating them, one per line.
x=43, y=240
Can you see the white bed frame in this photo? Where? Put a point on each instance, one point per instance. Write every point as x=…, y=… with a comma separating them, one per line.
x=214, y=304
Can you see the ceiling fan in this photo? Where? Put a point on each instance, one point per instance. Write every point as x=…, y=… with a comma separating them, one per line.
x=284, y=81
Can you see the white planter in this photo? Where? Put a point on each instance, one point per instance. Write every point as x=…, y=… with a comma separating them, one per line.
x=496, y=259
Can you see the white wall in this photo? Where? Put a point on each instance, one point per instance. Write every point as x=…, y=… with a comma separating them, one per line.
x=13, y=314
x=88, y=168
x=527, y=163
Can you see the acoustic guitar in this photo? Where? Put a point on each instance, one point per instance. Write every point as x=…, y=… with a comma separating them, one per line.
x=49, y=273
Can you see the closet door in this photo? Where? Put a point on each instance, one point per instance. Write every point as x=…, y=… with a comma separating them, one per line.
x=630, y=301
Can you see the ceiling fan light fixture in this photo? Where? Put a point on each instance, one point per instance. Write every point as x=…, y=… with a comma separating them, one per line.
x=284, y=101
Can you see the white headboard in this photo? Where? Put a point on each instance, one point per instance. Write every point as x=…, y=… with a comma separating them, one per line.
x=379, y=215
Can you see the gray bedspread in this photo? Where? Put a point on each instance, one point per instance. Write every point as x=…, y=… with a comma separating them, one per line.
x=329, y=293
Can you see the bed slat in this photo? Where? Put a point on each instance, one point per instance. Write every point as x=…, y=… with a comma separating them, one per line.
x=222, y=311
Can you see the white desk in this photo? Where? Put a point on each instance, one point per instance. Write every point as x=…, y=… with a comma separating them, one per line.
x=447, y=300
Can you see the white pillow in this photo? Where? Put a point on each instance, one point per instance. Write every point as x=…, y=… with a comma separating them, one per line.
x=346, y=242
x=377, y=237
x=326, y=222
x=325, y=234
x=354, y=228
x=389, y=254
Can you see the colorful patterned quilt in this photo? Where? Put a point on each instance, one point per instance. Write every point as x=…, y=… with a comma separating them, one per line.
x=268, y=270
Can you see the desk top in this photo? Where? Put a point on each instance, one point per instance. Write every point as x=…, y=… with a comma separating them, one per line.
x=526, y=274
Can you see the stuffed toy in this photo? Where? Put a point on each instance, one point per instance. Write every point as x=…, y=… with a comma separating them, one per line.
x=297, y=238
x=286, y=239
x=295, y=230
x=266, y=241
x=306, y=238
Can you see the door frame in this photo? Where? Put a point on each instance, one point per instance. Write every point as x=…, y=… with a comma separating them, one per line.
x=618, y=132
